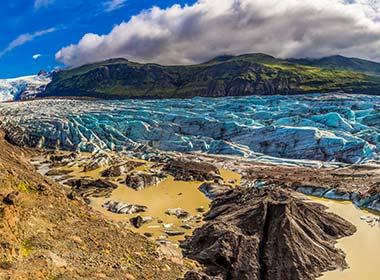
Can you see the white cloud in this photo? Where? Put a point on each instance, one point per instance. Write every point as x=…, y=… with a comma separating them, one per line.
x=36, y=56
x=112, y=5
x=195, y=33
x=42, y=3
x=370, y=7
x=25, y=38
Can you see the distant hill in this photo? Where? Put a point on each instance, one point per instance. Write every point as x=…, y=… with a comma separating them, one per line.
x=339, y=62
x=242, y=75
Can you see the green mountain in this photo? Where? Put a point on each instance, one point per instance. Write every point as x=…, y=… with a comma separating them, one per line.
x=242, y=75
x=339, y=62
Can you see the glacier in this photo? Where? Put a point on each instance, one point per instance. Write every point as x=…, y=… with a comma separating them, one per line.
x=23, y=87
x=326, y=127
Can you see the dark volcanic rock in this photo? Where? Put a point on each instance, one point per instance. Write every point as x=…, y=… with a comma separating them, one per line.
x=113, y=171
x=137, y=222
x=174, y=232
x=95, y=188
x=267, y=234
x=213, y=190
x=192, y=171
x=178, y=212
x=119, y=170
x=12, y=198
x=64, y=158
x=141, y=180
x=124, y=208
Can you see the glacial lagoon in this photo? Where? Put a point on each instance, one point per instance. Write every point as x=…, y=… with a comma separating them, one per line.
x=361, y=249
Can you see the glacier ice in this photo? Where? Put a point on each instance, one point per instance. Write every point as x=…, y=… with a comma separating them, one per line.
x=23, y=87
x=326, y=127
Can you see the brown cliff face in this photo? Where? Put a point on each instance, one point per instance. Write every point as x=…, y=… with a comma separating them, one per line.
x=267, y=234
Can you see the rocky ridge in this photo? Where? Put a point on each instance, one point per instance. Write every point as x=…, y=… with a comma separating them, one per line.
x=290, y=239
x=242, y=75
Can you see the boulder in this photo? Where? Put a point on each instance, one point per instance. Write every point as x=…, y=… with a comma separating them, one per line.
x=192, y=171
x=174, y=232
x=12, y=198
x=178, y=212
x=142, y=180
x=124, y=208
x=213, y=190
x=119, y=170
x=113, y=171
x=95, y=188
x=65, y=158
x=98, y=161
x=137, y=222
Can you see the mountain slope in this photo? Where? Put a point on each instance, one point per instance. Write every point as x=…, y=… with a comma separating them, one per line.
x=339, y=62
x=223, y=76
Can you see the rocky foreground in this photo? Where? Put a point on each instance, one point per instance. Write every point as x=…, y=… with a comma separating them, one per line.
x=266, y=234
x=259, y=230
x=46, y=235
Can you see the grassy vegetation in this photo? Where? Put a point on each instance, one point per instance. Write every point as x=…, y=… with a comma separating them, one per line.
x=23, y=187
x=25, y=249
x=225, y=75
x=338, y=62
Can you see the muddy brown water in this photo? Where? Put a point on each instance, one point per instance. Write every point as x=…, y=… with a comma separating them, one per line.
x=158, y=198
x=362, y=248
x=165, y=195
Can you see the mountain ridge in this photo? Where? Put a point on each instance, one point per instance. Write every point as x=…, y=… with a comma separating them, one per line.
x=242, y=75
x=339, y=62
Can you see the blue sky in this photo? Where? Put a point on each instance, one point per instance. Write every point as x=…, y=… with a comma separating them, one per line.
x=44, y=27
x=44, y=34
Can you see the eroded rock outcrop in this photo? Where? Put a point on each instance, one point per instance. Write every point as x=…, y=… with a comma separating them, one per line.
x=98, y=161
x=142, y=180
x=213, y=190
x=192, y=171
x=357, y=183
x=88, y=187
x=119, y=170
x=267, y=234
x=123, y=208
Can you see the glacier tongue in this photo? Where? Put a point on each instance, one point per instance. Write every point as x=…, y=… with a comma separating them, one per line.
x=341, y=128
x=22, y=88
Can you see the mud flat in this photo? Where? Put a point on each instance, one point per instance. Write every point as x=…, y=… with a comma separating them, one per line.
x=362, y=248
x=169, y=194
x=182, y=196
